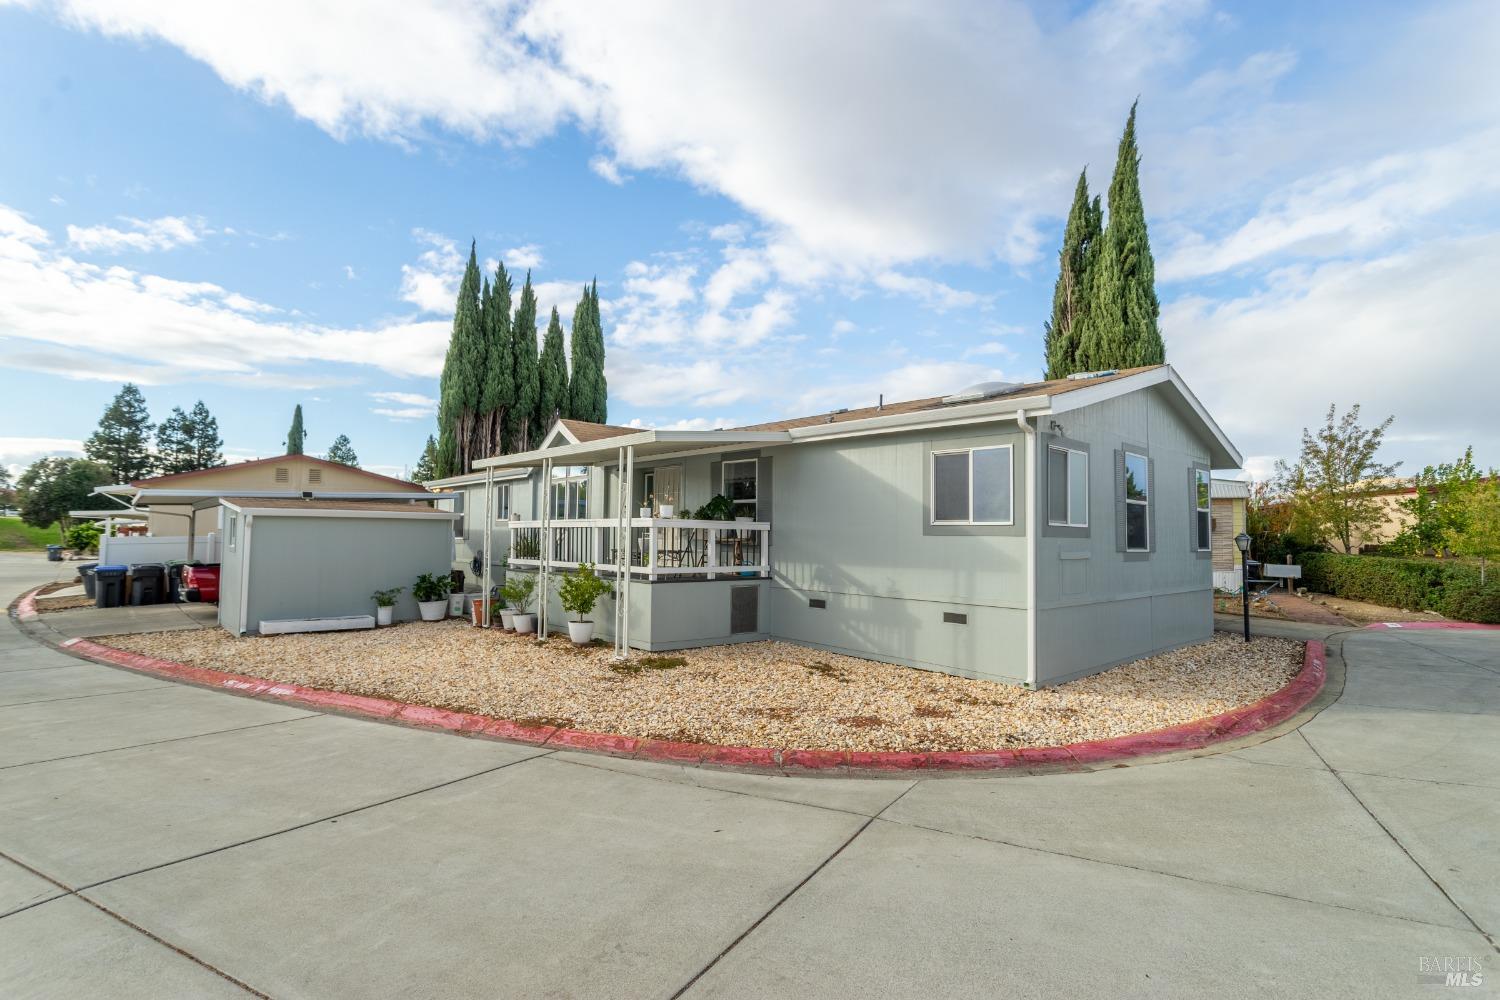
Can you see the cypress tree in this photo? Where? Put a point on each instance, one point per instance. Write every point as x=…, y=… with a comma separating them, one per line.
x=446, y=454
x=498, y=393
x=463, y=371
x=525, y=417
x=342, y=451
x=208, y=447
x=1120, y=329
x=1070, y=295
x=122, y=442
x=553, y=377
x=296, y=436
x=588, y=392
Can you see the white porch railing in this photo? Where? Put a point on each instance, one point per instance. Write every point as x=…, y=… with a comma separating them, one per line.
x=658, y=546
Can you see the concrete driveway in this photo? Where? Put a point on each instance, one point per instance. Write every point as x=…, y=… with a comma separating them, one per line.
x=158, y=841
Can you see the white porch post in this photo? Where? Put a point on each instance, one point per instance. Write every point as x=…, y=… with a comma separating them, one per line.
x=545, y=553
x=622, y=538
x=489, y=525
x=629, y=478
x=192, y=531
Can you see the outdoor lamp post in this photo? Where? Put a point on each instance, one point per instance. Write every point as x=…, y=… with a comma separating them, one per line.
x=1242, y=542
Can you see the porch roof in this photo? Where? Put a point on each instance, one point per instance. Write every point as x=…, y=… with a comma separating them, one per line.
x=647, y=444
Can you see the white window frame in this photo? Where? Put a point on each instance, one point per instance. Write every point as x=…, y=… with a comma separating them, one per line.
x=234, y=531
x=1144, y=504
x=502, y=501
x=724, y=484
x=573, y=476
x=932, y=484
x=1067, y=454
x=1205, y=478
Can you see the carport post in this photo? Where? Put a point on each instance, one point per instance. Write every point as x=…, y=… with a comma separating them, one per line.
x=489, y=523
x=545, y=552
x=624, y=598
x=192, y=530
x=622, y=533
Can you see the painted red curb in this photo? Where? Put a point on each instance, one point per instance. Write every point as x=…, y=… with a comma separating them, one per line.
x=1448, y=626
x=1243, y=721
x=26, y=606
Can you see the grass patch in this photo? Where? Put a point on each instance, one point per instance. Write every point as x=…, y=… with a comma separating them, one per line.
x=18, y=536
x=649, y=663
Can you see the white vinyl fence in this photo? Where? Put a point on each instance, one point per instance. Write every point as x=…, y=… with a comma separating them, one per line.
x=127, y=549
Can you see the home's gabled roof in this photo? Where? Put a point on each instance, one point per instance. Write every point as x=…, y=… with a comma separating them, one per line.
x=1049, y=388
x=582, y=432
x=195, y=477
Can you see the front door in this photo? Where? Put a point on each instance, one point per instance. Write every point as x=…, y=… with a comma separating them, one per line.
x=668, y=487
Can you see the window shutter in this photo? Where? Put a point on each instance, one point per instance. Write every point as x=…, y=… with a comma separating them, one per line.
x=1155, y=501
x=1119, y=500
x=1192, y=508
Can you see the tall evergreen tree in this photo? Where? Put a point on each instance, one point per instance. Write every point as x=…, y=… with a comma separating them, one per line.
x=588, y=393
x=525, y=418
x=553, y=377
x=296, y=435
x=342, y=451
x=208, y=447
x=447, y=454
x=1120, y=329
x=426, y=469
x=1080, y=247
x=463, y=372
x=498, y=393
x=174, y=443
x=122, y=443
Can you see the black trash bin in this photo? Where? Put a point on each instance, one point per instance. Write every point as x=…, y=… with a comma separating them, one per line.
x=174, y=582
x=54, y=553
x=86, y=573
x=109, y=586
x=147, y=583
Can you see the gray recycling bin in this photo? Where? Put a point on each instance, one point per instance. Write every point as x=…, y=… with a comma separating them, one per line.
x=109, y=586
x=54, y=553
x=86, y=572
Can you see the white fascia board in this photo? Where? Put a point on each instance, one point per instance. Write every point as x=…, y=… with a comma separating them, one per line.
x=605, y=448
x=1228, y=458
x=948, y=416
x=476, y=479
x=426, y=515
x=558, y=430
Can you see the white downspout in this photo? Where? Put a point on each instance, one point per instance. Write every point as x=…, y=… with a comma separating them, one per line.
x=545, y=553
x=629, y=538
x=489, y=525
x=1032, y=492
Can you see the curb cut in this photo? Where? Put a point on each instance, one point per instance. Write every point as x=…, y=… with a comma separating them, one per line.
x=1246, y=720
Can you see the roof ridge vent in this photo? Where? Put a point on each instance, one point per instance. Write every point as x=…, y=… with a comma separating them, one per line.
x=1081, y=376
x=981, y=390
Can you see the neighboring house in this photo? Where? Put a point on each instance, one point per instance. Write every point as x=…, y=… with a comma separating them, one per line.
x=1021, y=533
x=1389, y=497
x=1230, y=497
x=287, y=475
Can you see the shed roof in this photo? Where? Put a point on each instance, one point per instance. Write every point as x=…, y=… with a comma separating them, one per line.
x=1229, y=489
x=351, y=507
x=198, y=475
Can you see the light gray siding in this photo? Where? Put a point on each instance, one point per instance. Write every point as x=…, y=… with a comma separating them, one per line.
x=1098, y=605
x=672, y=615
x=852, y=528
x=306, y=567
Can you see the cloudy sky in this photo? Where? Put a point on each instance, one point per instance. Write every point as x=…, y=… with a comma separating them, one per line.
x=788, y=206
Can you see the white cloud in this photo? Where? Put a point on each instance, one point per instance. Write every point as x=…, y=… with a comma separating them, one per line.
x=349, y=272
x=606, y=168
x=842, y=327
x=524, y=258
x=431, y=284
x=404, y=405
x=1402, y=334
x=142, y=235
x=18, y=452
x=933, y=294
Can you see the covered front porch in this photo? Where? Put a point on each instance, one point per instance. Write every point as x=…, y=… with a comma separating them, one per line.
x=643, y=507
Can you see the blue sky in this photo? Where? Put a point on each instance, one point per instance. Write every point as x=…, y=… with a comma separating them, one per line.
x=269, y=204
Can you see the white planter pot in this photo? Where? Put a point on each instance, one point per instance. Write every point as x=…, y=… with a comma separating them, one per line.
x=667, y=509
x=582, y=633
x=455, y=604
x=525, y=624
x=508, y=620
x=383, y=616
x=645, y=512
x=433, y=611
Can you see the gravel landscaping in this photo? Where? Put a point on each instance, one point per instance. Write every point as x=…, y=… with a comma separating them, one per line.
x=764, y=694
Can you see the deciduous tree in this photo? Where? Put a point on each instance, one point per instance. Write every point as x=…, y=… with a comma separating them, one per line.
x=1333, y=488
x=51, y=487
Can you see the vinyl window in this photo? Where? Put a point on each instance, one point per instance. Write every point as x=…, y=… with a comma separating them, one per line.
x=234, y=532
x=1067, y=487
x=1201, y=505
x=740, y=482
x=972, y=486
x=1137, y=503
x=570, y=485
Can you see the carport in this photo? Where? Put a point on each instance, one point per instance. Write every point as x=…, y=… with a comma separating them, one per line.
x=299, y=559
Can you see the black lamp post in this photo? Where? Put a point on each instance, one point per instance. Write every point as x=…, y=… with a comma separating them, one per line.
x=1242, y=542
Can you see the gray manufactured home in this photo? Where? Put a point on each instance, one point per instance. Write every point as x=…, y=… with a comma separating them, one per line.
x=1027, y=533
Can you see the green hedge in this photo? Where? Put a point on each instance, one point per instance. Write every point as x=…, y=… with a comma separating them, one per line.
x=1450, y=588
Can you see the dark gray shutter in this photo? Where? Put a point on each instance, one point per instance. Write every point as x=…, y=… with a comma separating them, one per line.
x=1151, y=505
x=1193, y=508
x=1120, y=534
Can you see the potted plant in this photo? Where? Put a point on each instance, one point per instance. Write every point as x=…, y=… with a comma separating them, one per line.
x=431, y=592
x=666, y=509
x=579, y=591
x=646, y=507
x=718, y=509
x=520, y=590
x=385, y=604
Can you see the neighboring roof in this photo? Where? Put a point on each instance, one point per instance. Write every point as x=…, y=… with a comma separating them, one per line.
x=1048, y=388
x=1229, y=489
x=583, y=431
x=352, y=507
x=197, y=475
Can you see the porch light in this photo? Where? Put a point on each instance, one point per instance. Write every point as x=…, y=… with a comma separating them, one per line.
x=1242, y=542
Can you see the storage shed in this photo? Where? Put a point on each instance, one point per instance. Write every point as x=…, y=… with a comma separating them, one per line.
x=299, y=559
